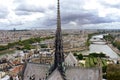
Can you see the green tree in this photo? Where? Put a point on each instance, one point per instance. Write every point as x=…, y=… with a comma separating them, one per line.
x=43, y=46
x=80, y=56
x=113, y=72
x=27, y=46
x=109, y=37
x=75, y=54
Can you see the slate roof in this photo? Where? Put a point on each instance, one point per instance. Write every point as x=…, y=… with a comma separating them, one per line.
x=55, y=75
x=77, y=73
x=70, y=60
x=40, y=71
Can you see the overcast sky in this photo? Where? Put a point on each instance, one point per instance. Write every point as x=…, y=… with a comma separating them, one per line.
x=75, y=14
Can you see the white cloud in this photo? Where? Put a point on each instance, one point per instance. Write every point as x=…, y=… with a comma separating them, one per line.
x=42, y=13
x=113, y=25
x=42, y=3
x=91, y=5
x=112, y=2
x=73, y=23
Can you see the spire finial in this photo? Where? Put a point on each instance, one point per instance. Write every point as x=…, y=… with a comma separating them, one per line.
x=58, y=16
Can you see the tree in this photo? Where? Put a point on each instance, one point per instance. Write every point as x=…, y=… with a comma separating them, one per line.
x=3, y=48
x=97, y=55
x=109, y=37
x=80, y=56
x=75, y=54
x=102, y=55
x=113, y=72
x=27, y=46
x=43, y=46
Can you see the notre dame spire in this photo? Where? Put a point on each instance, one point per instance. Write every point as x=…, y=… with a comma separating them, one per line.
x=59, y=57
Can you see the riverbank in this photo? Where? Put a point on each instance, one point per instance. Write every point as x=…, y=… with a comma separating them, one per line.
x=114, y=49
x=8, y=51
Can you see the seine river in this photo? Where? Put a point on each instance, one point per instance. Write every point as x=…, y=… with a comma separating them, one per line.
x=100, y=46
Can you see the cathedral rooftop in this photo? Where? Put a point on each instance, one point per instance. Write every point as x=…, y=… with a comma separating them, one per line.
x=39, y=71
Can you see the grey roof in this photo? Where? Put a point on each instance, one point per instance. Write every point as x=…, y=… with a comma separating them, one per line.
x=71, y=60
x=77, y=73
x=71, y=72
x=55, y=75
x=39, y=70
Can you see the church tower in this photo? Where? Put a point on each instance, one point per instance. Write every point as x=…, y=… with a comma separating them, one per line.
x=59, y=56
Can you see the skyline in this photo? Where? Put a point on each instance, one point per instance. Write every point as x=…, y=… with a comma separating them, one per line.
x=75, y=14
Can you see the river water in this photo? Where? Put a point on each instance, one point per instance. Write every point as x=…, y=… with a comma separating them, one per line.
x=98, y=47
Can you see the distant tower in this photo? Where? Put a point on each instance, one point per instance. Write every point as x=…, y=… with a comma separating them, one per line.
x=59, y=56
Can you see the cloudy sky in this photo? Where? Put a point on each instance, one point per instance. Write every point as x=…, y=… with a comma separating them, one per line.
x=75, y=14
